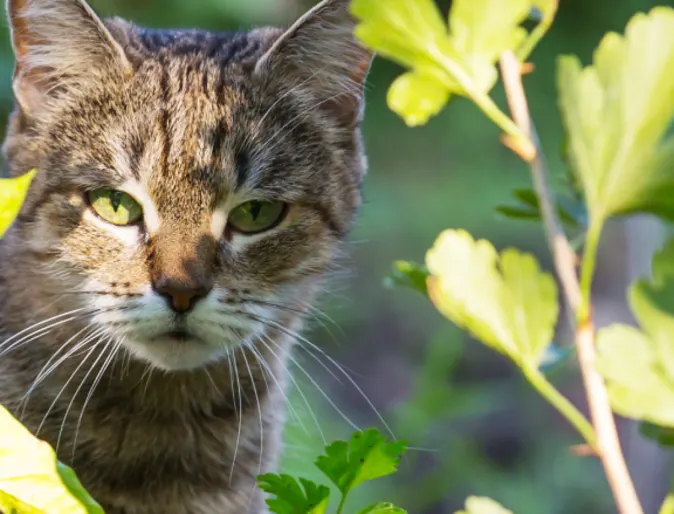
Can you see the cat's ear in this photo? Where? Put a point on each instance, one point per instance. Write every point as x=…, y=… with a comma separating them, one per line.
x=60, y=46
x=320, y=52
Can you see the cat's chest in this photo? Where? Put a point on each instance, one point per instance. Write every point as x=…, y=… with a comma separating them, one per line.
x=195, y=459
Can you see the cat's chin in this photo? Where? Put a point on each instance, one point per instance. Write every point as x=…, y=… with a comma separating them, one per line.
x=175, y=351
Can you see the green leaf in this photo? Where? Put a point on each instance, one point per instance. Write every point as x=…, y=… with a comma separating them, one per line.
x=12, y=193
x=616, y=113
x=291, y=498
x=382, y=508
x=365, y=457
x=571, y=211
x=638, y=365
x=518, y=213
x=30, y=475
x=482, y=29
x=504, y=300
x=458, y=58
x=483, y=505
x=415, y=98
x=408, y=274
x=664, y=436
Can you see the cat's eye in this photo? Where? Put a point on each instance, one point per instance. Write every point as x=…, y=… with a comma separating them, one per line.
x=256, y=216
x=115, y=206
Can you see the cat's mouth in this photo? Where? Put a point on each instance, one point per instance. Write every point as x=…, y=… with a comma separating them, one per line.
x=178, y=335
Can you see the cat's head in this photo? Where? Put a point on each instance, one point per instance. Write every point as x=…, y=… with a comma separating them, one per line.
x=192, y=186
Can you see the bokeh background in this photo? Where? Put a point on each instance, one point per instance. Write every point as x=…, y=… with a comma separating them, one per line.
x=474, y=425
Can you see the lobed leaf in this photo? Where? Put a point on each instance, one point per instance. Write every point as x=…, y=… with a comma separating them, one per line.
x=504, y=300
x=455, y=58
x=415, y=97
x=638, y=365
x=293, y=497
x=32, y=480
x=12, y=193
x=616, y=113
x=365, y=457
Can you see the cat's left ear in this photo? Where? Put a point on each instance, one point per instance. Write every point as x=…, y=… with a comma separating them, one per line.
x=60, y=47
x=321, y=53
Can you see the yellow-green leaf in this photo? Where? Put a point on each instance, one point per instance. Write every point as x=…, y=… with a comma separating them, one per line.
x=415, y=98
x=617, y=111
x=504, y=300
x=482, y=29
x=638, y=365
x=32, y=480
x=460, y=56
x=483, y=505
x=12, y=193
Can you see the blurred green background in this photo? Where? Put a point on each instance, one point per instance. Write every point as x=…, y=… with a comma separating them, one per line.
x=474, y=425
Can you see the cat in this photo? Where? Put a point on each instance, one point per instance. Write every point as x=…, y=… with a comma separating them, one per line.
x=193, y=190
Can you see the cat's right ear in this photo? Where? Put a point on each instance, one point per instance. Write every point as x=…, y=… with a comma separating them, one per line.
x=60, y=47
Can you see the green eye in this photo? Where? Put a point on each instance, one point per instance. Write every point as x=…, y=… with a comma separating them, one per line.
x=256, y=216
x=114, y=206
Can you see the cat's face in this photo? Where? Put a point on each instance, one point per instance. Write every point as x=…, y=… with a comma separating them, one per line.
x=192, y=188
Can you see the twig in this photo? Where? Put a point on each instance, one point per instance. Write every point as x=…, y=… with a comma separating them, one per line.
x=608, y=442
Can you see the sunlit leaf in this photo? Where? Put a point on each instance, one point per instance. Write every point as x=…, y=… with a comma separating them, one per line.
x=455, y=58
x=293, y=497
x=31, y=476
x=483, y=505
x=12, y=193
x=365, y=457
x=415, y=97
x=382, y=508
x=639, y=364
x=616, y=113
x=482, y=29
x=504, y=300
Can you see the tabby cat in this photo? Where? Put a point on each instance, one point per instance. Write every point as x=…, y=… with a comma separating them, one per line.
x=193, y=189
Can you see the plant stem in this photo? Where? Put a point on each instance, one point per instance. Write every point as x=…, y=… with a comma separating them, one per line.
x=485, y=103
x=559, y=401
x=588, y=266
x=341, y=504
x=608, y=442
x=563, y=255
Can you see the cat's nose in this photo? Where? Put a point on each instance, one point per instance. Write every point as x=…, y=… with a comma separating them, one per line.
x=180, y=296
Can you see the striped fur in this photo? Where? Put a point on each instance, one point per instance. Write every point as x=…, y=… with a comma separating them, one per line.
x=191, y=124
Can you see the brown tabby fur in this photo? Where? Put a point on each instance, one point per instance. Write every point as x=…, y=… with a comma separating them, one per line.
x=196, y=121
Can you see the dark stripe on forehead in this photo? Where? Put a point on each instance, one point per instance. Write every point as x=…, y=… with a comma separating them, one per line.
x=136, y=151
x=242, y=168
x=164, y=119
